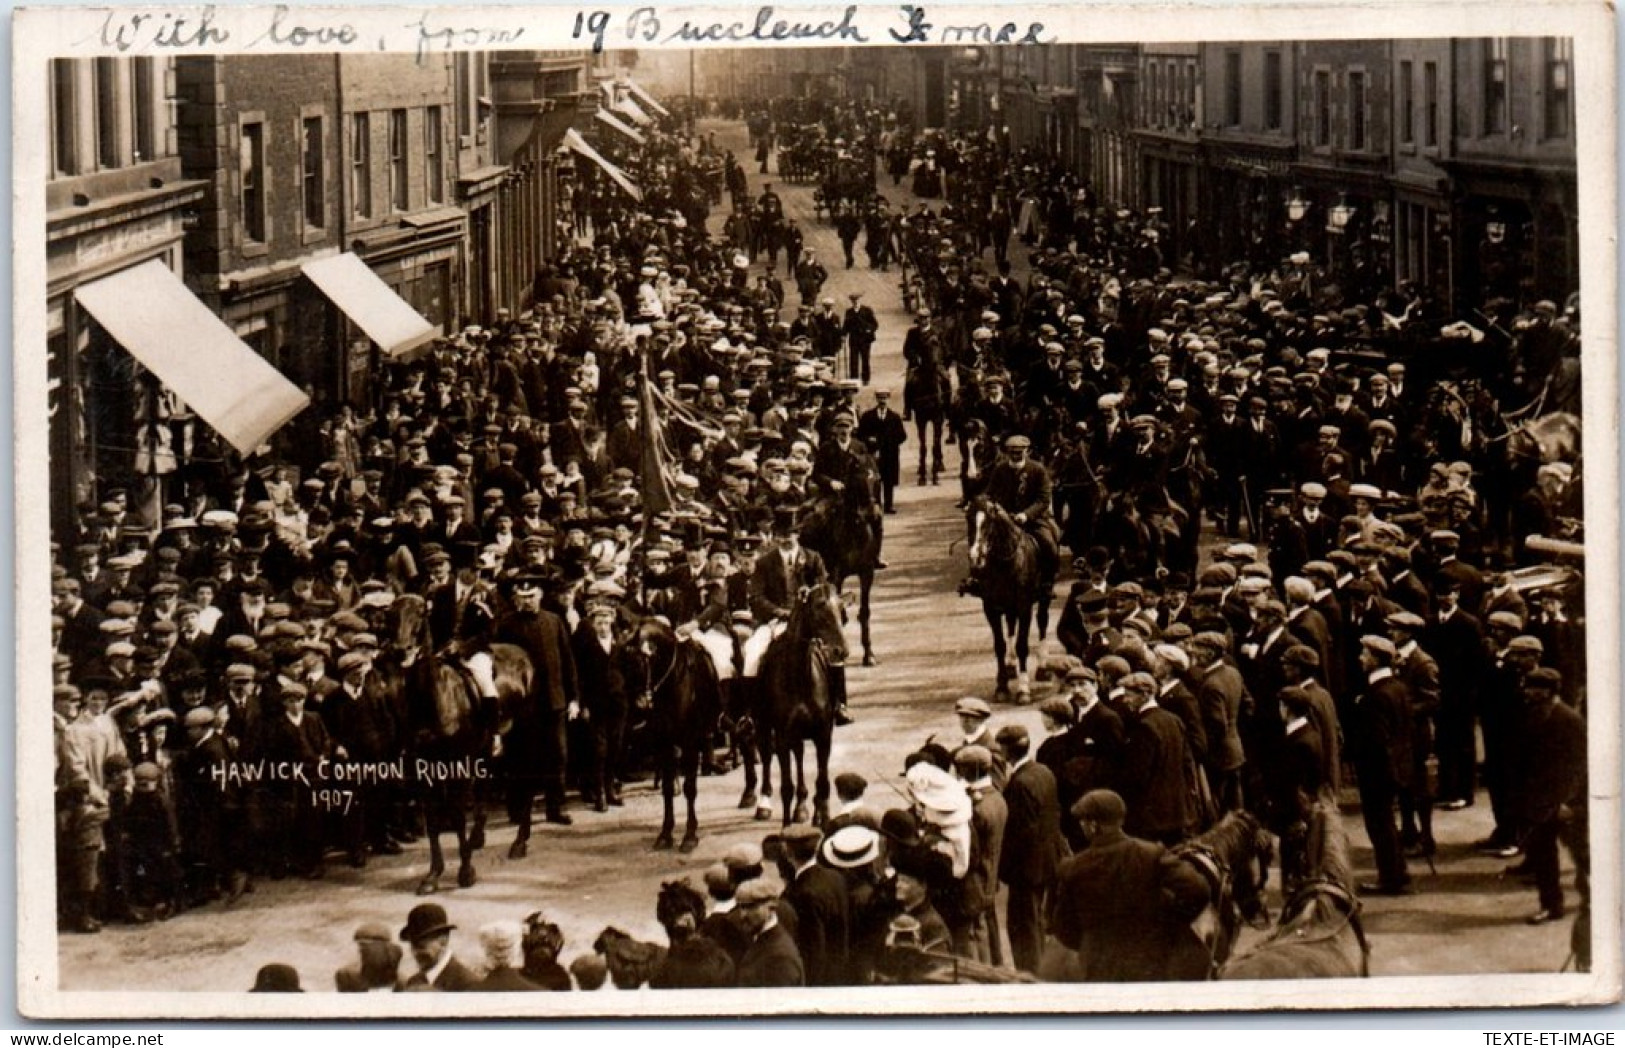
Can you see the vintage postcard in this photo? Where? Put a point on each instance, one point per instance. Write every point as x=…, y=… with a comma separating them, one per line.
x=815, y=509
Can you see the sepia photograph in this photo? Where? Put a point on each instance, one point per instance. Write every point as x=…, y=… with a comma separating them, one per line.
x=814, y=511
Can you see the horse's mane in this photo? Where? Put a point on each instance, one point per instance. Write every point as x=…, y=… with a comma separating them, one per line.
x=1231, y=835
x=1329, y=845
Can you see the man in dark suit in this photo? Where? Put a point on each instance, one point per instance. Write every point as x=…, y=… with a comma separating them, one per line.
x=1220, y=693
x=1153, y=779
x=1380, y=735
x=1420, y=673
x=296, y=738
x=1455, y=640
x=860, y=326
x=428, y=933
x=882, y=430
x=783, y=571
x=535, y=749
x=823, y=920
x=1302, y=776
x=772, y=958
x=1122, y=904
x=1552, y=789
x=1033, y=845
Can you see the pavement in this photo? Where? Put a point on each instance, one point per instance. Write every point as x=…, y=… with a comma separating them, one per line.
x=933, y=647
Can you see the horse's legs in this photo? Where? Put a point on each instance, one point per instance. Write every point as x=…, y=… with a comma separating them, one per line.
x=801, y=781
x=936, y=444
x=1023, y=624
x=785, y=780
x=666, y=772
x=821, y=786
x=433, y=806
x=866, y=582
x=920, y=427
x=691, y=790
x=745, y=731
x=995, y=619
x=467, y=801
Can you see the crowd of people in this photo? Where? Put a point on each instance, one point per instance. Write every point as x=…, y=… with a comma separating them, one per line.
x=645, y=440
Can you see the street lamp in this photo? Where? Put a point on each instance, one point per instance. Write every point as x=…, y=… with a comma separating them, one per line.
x=1296, y=206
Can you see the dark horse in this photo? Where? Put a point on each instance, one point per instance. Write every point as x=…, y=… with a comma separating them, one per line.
x=795, y=700
x=926, y=396
x=1234, y=858
x=1006, y=560
x=1320, y=935
x=845, y=533
x=449, y=735
x=677, y=682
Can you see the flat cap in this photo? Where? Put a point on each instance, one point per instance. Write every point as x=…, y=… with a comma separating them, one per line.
x=971, y=706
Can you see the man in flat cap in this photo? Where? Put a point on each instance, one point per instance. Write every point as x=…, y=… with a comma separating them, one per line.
x=1033, y=844
x=1022, y=488
x=1154, y=777
x=377, y=965
x=1420, y=673
x=1380, y=735
x=882, y=431
x=772, y=958
x=1122, y=905
x=1552, y=790
x=1455, y=639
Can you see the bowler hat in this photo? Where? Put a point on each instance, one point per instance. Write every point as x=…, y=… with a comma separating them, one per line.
x=277, y=978
x=425, y=922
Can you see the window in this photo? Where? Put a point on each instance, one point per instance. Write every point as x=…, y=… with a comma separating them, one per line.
x=1559, y=62
x=361, y=164
x=64, y=118
x=1430, y=104
x=1357, y=111
x=1323, y=108
x=147, y=147
x=108, y=153
x=1272, y=90
x=251, y=164
x=1495, y=86
x=311, y=186
x=1232, y=88
x=431, y=151
x=1407, y=103
x=398, y=186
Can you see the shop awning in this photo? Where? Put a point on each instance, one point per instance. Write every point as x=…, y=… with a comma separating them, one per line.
x=162, y=324
x=609, y=119
x=649, y=101
x=355, y=289
x=574, y=141
x=629, y=109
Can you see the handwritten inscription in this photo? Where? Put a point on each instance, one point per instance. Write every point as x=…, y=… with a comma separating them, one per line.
x=437, y=38
x=647, y=25
x=288, y=27
x=169, y=31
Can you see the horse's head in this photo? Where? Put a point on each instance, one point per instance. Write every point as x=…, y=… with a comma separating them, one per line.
x=408, y=627
x=818, y=617
x=1251, y=871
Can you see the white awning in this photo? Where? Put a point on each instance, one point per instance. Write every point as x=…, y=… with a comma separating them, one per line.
x=649, y=101
x=352, y=286
x=628, y=108
x=162, y=324
x=609, y=119
x=574, y=141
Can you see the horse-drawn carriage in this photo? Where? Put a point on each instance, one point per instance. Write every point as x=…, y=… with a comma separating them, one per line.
x=848, y=181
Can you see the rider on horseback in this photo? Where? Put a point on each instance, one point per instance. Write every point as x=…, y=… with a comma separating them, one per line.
x=1022, y=488
x=461, y=617
x=779, y=576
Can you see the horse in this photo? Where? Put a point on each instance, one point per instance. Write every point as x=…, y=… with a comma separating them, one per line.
x=678, y=683
x=1006, y=560
x=797, y=698
x=844, y=532
x=448, y=731
x=926, y=394
x=1234, y=858
x=1320, y=935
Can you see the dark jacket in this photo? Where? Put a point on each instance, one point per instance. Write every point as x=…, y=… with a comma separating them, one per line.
x=1123, y=905
x=1380, y=734
x=504, y=980
x=545, y=638
x=454, y=978
x=1033, y=845
x=823, y=924
x=772, y=959
x=1153, y=781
